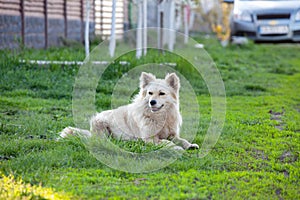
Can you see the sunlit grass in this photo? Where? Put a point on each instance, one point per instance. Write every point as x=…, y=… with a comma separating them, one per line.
x=12, y=188
x=256, y=157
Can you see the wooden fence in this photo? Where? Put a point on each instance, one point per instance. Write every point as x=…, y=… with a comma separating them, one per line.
x=103, y=17
x=43, y=23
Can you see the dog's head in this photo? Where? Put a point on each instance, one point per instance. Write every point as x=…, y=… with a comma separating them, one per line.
x=160, y=93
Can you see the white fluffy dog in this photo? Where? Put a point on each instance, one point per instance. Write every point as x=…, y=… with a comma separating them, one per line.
x=153, y=116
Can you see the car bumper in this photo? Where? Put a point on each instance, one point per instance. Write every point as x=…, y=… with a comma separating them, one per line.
x=252, y=30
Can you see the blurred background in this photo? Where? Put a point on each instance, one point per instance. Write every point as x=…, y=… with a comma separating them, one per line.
x=44, y=23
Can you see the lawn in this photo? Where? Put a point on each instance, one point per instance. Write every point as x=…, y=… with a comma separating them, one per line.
x=256, y=156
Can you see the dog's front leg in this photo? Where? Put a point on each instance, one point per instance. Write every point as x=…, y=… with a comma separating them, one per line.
x=170, y=144
x=184, y=143
x=68, y=131
x=167, y=143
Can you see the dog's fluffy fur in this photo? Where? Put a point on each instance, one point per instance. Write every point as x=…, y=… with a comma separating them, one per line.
x=153, y=116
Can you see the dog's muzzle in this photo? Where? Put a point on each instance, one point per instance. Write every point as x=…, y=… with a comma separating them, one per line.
x=153, y=106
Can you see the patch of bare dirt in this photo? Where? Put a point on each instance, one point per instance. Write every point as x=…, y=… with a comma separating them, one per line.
x=277, y=117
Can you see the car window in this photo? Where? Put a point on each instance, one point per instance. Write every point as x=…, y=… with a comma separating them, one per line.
x=269, y=0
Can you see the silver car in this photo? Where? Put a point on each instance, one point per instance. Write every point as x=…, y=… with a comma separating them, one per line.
x=266, y=20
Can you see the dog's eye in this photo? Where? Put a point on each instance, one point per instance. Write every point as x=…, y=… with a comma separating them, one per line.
x=150, y=93
x=162, y=93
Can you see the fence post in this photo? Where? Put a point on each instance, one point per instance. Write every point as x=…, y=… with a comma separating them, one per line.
x=82, y=20
x=46, y=22
x=160, y=24
x=65, y=19
x=22, y=10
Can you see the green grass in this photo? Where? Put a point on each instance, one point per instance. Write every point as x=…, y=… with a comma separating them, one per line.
x=256, y=157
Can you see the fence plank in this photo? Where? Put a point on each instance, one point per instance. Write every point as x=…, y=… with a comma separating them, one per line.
x=103, y=14
x=41, y=23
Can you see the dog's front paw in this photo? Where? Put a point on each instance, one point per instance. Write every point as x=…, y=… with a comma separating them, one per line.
x=193, y=146
x=66, y=132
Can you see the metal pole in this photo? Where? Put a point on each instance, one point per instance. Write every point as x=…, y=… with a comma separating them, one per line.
x=87, y=29
x=186, y=28
x=101, y=19
x=171, y=25
x=145, y=26
x=139, y=31
x=112, y=41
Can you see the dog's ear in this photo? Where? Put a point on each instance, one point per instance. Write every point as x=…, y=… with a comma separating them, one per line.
x=173, y=81
x=145, y=79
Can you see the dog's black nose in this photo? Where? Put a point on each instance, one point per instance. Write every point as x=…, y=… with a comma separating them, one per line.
x=152, y=102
